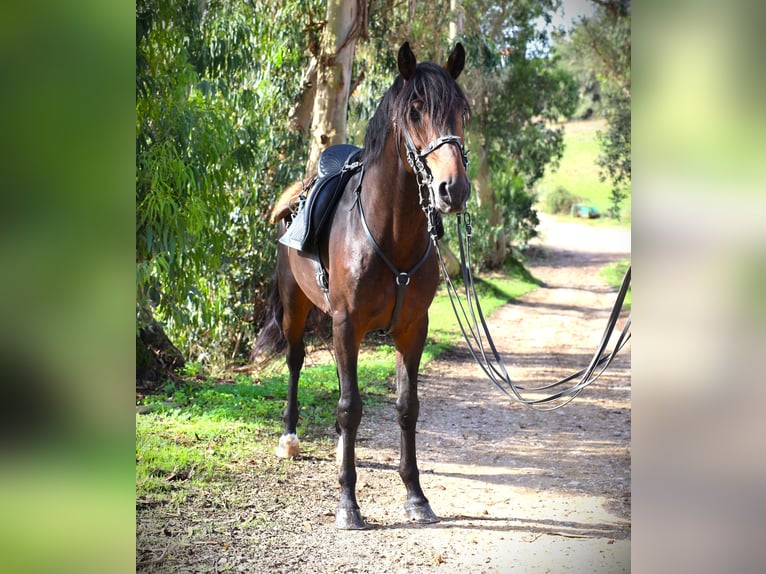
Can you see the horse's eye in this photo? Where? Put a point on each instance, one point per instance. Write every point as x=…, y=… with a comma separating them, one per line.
x=415, y=114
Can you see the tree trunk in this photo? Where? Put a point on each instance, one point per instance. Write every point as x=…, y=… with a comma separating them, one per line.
x=456, y=21
x=300, y=114
x=485, y=197
x=346, y=20
x=450, y=261
x=156, y=356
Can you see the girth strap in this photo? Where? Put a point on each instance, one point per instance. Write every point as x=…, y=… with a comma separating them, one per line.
x=402, y=278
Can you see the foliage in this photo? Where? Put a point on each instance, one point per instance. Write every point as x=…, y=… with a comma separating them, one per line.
x=518, y=94
x=599, y=48
x=516, y=209
x=214, y=82
x=560, y=200
x=530, y=88
x=615, y=145
x=516, y=203
x=520, y=123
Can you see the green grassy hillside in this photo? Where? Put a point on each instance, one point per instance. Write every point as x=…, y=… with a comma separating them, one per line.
x=578, y=172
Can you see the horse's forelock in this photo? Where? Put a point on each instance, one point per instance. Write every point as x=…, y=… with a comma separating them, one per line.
x=432, y=85
x=439, y=94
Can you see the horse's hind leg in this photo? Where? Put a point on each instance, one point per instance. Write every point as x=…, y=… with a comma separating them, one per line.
x=409, y=348
x=296, y=310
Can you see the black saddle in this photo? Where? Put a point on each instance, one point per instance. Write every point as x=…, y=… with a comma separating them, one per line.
x=337, y=165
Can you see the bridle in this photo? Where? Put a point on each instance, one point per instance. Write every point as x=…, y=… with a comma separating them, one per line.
x=472, y=324
x=424, y=178
x=417, y=161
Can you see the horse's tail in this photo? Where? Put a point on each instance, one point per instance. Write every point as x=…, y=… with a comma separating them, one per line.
x=271, y=339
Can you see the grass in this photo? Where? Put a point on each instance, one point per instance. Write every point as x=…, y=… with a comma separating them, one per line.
x=613, y=274
x=198, y=432
x=578, y=172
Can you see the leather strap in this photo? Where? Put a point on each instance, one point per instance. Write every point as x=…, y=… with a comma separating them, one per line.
x=402, y=278
x=476, y=333
x=433, y=146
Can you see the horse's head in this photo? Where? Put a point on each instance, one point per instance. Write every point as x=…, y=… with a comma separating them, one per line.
x=430, y=112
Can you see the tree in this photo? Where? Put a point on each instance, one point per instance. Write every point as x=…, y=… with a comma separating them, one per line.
x=518, y=93
x=346, y=21
x=601, y=46
x=213, y=80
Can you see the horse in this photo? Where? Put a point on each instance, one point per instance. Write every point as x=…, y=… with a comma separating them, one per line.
x=380, y=270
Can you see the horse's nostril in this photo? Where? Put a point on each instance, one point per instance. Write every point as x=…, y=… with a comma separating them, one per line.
x=443, y=191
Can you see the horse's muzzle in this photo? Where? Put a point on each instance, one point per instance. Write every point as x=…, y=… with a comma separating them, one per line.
x=452, y=194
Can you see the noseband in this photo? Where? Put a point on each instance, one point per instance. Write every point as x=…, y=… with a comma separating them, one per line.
x=417, y=160
x=414, y=156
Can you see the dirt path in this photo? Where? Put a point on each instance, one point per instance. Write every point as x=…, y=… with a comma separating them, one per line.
x=517, y=490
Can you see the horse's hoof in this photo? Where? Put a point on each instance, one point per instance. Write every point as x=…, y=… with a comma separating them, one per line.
x=420, y=513
x=350, y=519
x=289, y=446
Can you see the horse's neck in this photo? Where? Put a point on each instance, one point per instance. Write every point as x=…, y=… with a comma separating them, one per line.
x=391, y=199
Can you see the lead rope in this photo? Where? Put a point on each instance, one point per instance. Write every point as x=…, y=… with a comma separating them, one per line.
x=475, y=331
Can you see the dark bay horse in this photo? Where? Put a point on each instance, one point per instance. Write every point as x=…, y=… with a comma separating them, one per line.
x=382, y=272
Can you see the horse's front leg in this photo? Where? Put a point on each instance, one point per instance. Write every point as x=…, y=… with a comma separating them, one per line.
x=348, y=516
x=409, y=349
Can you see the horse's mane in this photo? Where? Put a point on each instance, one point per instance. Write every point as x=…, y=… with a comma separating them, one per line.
x=439, y=95
x=433, y=86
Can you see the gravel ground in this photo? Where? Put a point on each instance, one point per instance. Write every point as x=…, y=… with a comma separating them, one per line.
x=517, y=490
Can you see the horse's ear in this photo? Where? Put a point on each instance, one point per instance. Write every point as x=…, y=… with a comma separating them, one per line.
x=406, y=60
x=456, y=61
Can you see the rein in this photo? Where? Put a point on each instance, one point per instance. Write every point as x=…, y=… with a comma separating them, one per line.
x=475, y=332
x=471, y=318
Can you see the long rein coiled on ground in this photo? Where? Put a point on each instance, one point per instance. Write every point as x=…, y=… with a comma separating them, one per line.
x=476, y=334
x=471, y=318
